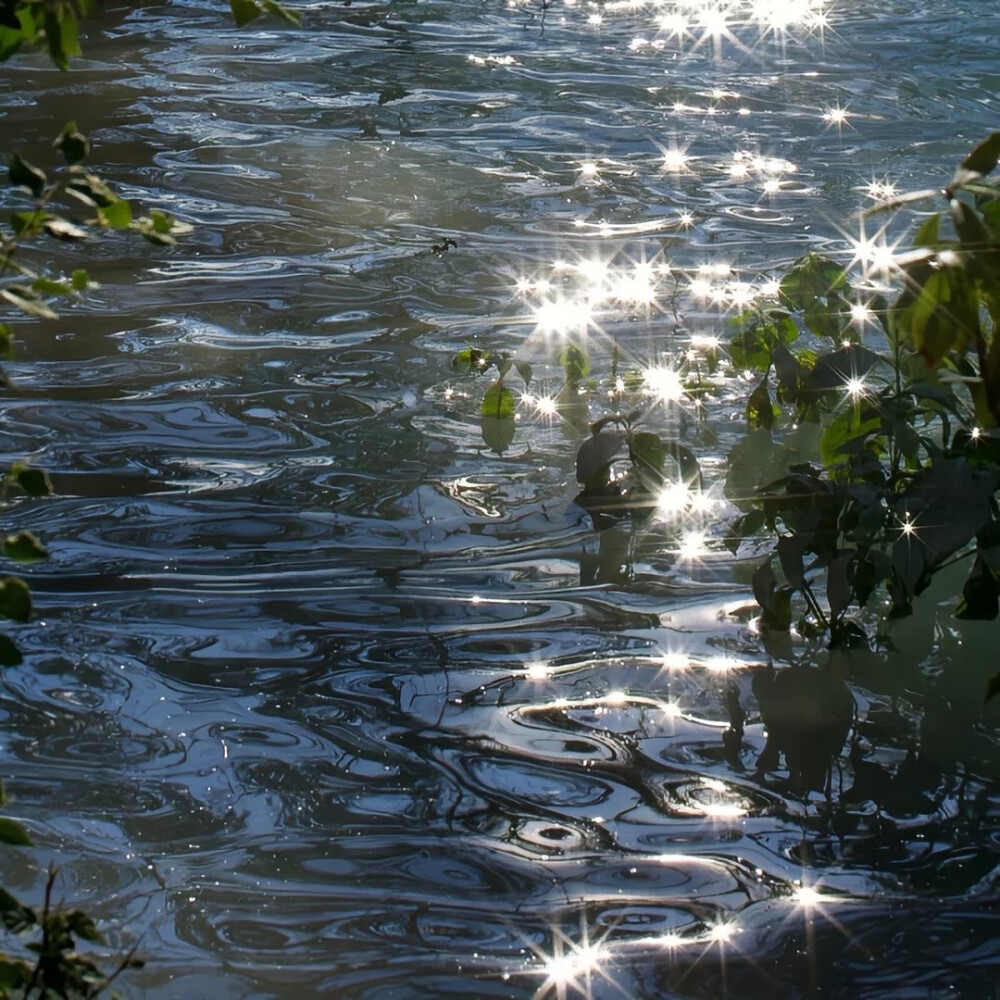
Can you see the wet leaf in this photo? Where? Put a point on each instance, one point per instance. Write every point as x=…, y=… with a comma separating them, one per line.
x=524, y=370
x=23, y=174
x=79, y=280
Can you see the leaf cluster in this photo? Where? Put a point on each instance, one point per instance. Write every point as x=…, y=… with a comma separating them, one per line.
x=905, y=467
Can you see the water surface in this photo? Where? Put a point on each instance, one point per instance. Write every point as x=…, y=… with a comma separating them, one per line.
x=325, y=697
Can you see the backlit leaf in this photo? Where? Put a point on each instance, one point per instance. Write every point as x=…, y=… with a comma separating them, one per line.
x=499, y=401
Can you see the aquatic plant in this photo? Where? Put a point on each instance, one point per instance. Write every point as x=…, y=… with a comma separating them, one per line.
x=871, y=454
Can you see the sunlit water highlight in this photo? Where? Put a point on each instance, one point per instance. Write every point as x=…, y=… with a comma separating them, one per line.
x=325, y=697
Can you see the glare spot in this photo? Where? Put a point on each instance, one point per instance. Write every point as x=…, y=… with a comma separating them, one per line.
x=807, y=896
x=723, y=810
x=664, y=383
x=588, y=168
x=855, y=388
x=675, y=160
x=537, y=670
x=692, y=545
x=672, y=500
x=675, y=661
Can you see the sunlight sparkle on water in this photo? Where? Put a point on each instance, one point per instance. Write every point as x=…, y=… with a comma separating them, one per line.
x=537, y=670
x=664, y=383
x=692, y=546
x=807, y=896
x=675, y=661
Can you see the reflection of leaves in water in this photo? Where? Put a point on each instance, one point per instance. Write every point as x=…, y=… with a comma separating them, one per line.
x=807, y=713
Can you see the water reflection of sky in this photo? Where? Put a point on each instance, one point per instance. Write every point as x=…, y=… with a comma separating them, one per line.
x=435, y=755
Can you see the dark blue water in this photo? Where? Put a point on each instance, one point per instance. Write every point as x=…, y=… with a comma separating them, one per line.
x=323, y=695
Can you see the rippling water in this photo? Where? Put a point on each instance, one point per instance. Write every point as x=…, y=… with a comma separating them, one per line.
x=326, y=698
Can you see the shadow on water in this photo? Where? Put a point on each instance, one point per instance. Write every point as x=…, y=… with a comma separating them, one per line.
x=327, y=694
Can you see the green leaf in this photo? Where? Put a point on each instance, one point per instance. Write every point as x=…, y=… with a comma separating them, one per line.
x=524, y=370
x=90, y=189
x=499, y=401
x=244, y=11
x=116, y=215
x=73, y=144
x=15, y=973
x=810, y=278
x=48, y=286
x=648, y=453
x=280, y=10
x=83, y=926
x=24, y=547
x=27, y=224
x=498, y=432
x=25, y=300
x=14, y=915
x=79, y=280
x=984, y=158
x=54, y=37
x=23, y=174
x=34, y=482
x=15, y=599
x=471, y=359
x=575, y=363
x=6, y=341
x=928, y=235
x=11, y=832
x=759, y=409
x=10, y=655
x=848, y=433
